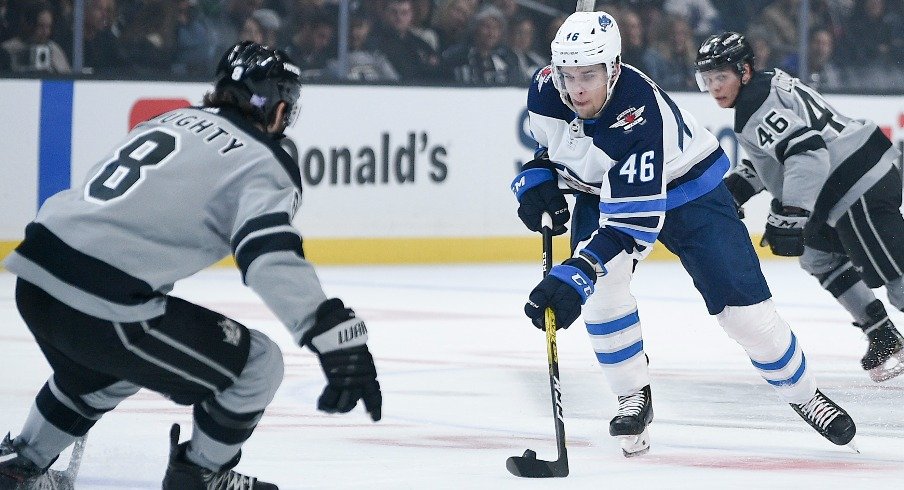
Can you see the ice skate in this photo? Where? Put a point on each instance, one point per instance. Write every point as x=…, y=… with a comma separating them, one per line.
x=830, y=420
x=19, y=473
x=182, y=474
x=884, y=358
x=635, y=412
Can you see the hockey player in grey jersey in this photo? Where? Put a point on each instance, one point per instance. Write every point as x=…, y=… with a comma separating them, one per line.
x=836, y=190
x=182, y=190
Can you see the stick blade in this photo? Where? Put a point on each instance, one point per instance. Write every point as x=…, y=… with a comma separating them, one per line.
x=528, y=466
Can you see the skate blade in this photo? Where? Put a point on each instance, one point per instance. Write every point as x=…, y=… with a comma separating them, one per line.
x=853, y=447
x=635, y=445
x=892, y=367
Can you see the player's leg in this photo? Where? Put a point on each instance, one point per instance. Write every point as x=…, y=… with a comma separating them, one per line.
x=714, y=247
x=872, y=232
x=613, y=324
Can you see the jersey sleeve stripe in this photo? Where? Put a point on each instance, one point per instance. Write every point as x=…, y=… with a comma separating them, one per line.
x=253, y=248
x=804, y=139
x=258, y=223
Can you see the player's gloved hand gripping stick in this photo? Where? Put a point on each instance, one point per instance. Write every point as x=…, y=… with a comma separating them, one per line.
x=528, y=465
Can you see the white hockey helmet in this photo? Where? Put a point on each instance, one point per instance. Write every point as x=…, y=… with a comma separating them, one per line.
x=585, y=39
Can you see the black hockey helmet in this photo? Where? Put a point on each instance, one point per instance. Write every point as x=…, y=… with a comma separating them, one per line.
x=262, y=77
x=726, y=49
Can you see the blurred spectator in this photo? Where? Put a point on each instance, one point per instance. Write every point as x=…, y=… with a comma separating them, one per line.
x=420, y=26
x=5, y=27
x=451, y=22
x=101, y=47
x=779, y=22
x=313, y=45
x=824, y=73
x=148, y=39
x=551, y=29
x=701, y=15
x=33, y=50
x=763, y=58
x=672, y=62
x=410, y=56
x=634, y=39
x=364, y=62
x=270, y=24
x=226, y=20
x=195, y=42
x=252, y=31
x=485, y=60
x=522, y=38
x=875, y=34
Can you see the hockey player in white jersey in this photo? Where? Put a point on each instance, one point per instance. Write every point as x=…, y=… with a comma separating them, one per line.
x=836, y=190
x=95, y=269
x=644, y=170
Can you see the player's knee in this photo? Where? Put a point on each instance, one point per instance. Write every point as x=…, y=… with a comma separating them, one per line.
x=750, y=325
x=257, y=384
x=818, y=263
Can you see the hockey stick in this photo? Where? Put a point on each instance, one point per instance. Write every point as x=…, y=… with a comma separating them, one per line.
x=528, y=465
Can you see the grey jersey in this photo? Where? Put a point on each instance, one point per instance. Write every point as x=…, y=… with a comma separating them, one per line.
x=796, y=141
x=179, y=193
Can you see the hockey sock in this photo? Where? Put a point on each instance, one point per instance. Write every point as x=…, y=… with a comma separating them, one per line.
x=219, y=434
x=618, y=345
x=895, y=289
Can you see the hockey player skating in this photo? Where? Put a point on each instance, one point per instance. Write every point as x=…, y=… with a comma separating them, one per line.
x=180, y=192
x=643, y=170
x=836, y=190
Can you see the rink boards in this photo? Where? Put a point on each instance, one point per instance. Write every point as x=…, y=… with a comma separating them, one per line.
x=390, y=174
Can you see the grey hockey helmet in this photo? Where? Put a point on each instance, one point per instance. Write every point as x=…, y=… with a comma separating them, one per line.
x=263, y=77
x=717, y=51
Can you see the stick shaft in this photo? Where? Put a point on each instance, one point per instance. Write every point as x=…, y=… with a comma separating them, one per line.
x=585, y=6
x=552, y=354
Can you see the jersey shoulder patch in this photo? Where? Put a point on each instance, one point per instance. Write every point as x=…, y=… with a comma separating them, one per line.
x=630, y=116
x=751, y=98
x=543, y=97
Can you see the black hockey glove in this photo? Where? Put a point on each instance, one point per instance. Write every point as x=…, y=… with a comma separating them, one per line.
x=785, y=230
x=565, y=290
x=340, y=340
x=742, y=184
x=537, y=191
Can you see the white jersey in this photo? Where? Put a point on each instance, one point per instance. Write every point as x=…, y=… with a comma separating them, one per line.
x=642, y=156
x=179, y=193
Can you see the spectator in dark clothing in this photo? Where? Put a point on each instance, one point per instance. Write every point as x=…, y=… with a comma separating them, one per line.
x=410, y=56
x=522, y=39
x=33, y=50
x=364, y=62
x=451, y=22
x=6, y=31
x=824, y=72
x=485, y=60
x=195, y=42
x=874, y=34
x=313, y=45
x=101, y=49
x=673, y=68
x=148, y=41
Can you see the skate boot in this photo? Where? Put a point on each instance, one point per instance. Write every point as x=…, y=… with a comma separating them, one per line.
x=181, y=474
x=884, y=357
x=830, y=420
x=19, y=473
x=635, y=412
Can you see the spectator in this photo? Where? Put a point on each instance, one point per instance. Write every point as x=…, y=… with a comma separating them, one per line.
x=5, y=28
x=411, y=57
x=148, y=41
x=101, y=46
x=824, y=73
x=550, y=33
x=270, y=24
x=874, y=34
x=195, y=42
x=423, y=16
x=313, y=45
x=252, y=31
x=522, y=37
x=634, y=39
x=485, y=60
x=762, y=49
x=780, y=20
x=451, y=22
x=33, y=50
x=227, y=19
x=672, y=62
x=701, y=15
x=364, y=62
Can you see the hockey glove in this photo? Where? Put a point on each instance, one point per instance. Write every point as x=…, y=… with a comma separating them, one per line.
x=565, y=290
x=340, y=340
x=785, y=230
x=743, y=184
x=538, y=192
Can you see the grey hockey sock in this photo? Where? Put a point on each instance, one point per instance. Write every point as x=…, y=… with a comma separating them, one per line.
x=855, y=300
x=41, y=442
x=895, y=289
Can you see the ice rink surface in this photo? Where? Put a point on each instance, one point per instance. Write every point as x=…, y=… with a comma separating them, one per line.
x=465, y=384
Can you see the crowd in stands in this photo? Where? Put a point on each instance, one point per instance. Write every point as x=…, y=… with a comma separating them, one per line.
x=854, y=45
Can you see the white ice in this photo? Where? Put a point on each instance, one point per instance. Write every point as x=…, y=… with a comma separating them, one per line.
x=465, y=383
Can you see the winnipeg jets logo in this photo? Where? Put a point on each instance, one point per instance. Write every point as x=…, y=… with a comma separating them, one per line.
x=630, y=118
x=232, y=331
x=543, y=76
x=605, y=22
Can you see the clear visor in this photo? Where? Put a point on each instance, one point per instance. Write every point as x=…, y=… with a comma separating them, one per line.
x=294, y=99
x=714, y=78
x=576, y=79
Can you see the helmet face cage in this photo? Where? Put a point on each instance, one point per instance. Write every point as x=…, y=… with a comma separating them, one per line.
x=585, y=39
x=718, y=51
x=265, y=77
